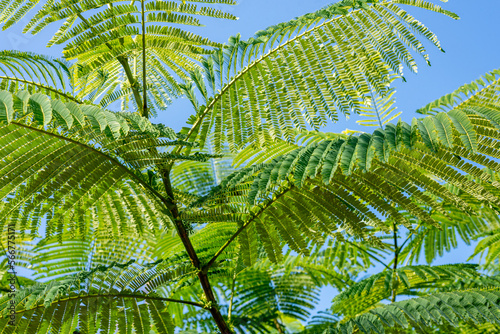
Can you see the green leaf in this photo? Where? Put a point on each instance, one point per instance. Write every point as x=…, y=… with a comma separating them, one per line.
x=62, y=114
x=444, y=129
x=41, y=108
x=465, y=128
x=6, y=107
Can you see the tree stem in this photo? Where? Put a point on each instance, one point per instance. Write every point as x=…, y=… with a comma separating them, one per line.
x=242, y=227
x=202, y=274
x=395, y=264
x=230, y=308
x=131, y=80
x=144, y=90
x=278, y=326
x=123, y=61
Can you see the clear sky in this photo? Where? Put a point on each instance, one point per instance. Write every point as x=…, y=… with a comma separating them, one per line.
x=472, y=47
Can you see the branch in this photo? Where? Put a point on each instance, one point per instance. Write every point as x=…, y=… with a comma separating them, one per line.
x=202, y=275
x=245, y=70
x=110, y=159
x=230, y=307
x=131, y=79
x=368, y=253
x=123, y=61
x=221, y=250
x=409, y=237
x=395, y=265
x=144, y=91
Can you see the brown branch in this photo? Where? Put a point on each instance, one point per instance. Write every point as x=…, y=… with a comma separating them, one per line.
x=278, y=326
x=395, y=265
x=202, y=275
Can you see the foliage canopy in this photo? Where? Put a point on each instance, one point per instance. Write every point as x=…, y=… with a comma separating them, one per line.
x=237, y=222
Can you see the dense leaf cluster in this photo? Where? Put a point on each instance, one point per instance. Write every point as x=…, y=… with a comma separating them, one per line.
x=126, y=226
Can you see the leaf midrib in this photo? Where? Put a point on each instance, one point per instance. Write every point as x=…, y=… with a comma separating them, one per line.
x=249, y=67
x=96, y=151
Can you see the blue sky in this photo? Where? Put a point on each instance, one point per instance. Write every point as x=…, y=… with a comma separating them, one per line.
x=471, y=43
x=472, y=47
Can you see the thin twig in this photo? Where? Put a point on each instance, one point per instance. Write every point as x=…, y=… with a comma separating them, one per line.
x=395, y=264
x=144, y=91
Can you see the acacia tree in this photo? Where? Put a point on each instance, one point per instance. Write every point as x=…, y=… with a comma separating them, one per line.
x=129, y=226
